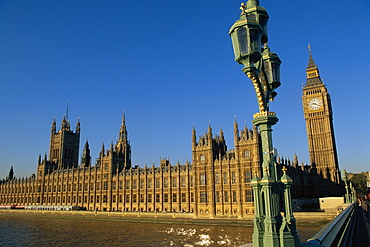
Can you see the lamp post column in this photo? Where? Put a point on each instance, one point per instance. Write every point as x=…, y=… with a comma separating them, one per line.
x=262, y=66
x=264, y=121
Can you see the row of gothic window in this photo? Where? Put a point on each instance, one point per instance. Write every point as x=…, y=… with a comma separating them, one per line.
x=219, y=196
x=105, y=186
x=245, y=154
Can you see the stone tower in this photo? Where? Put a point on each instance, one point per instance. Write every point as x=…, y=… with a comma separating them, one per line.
x=205, y=152
x=123, y=145
x=64, y=145
x=86, y=158
x=318, y=114
x=118, y=156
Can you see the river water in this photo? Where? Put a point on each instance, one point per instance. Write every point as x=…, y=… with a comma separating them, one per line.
x=38, y=231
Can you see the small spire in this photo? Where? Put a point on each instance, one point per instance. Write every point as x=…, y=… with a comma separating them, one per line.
x=11, y=173
x=295, y=161
x=78, y=125
x=123, y=129
x=53, y=126
x=221, y=133
x=67, y=109
x=245, y=125
x=193, y=132
x=235, y=123
x=123, y=118
x=311, y=63
x=102, y=151
x=209, y=127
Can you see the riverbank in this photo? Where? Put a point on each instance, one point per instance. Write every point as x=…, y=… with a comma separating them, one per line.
x=303, y=218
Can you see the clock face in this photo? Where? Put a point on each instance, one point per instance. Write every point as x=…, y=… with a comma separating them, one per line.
x=315, y=103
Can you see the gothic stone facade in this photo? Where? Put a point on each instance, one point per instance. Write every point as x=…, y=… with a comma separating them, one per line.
x=216, y=183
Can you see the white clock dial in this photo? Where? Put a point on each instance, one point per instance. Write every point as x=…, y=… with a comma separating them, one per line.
x=315, y=103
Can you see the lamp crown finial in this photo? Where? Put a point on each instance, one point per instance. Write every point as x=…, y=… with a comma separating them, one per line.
x=242, y=7
x=284, y=169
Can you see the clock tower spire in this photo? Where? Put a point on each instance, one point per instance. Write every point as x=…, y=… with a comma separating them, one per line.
x=319, y=124
x=312, y=72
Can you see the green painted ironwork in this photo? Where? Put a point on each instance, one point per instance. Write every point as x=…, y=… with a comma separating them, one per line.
x=249, y=39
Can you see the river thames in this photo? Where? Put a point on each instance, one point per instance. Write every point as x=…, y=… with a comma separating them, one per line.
x=44, y=231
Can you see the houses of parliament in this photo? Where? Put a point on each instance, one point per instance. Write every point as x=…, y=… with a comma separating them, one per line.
x=215, y=183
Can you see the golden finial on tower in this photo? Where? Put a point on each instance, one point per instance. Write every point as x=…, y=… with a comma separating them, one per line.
x=309, y=47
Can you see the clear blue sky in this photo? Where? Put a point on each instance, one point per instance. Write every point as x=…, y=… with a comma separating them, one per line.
x=169, y=64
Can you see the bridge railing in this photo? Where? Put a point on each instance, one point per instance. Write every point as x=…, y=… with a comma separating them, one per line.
x=336, y=232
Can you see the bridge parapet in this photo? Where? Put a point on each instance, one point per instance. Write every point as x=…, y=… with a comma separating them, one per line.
x=338, y=232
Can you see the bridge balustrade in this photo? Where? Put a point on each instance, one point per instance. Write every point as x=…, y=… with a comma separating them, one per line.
x=343, y=230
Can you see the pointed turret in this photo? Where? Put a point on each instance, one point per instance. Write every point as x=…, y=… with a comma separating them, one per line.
x=64, y=123
x=102, y=150
x=86, y=158
x=11, y=173
x=194, y=136
x=53, y=127
x=236, y=131
x=255, y=131
x=123, y=130
x=295, y=162
x=78, y=126
x=222, y=138
x=209, y=128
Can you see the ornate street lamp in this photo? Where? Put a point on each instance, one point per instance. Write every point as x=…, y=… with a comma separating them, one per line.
x=249, y=39
x=271, y=68
x=247, y=35
x=347, y=197
x=246, y=39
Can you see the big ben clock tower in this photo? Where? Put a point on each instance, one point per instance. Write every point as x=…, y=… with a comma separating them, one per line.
x=319, y=124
